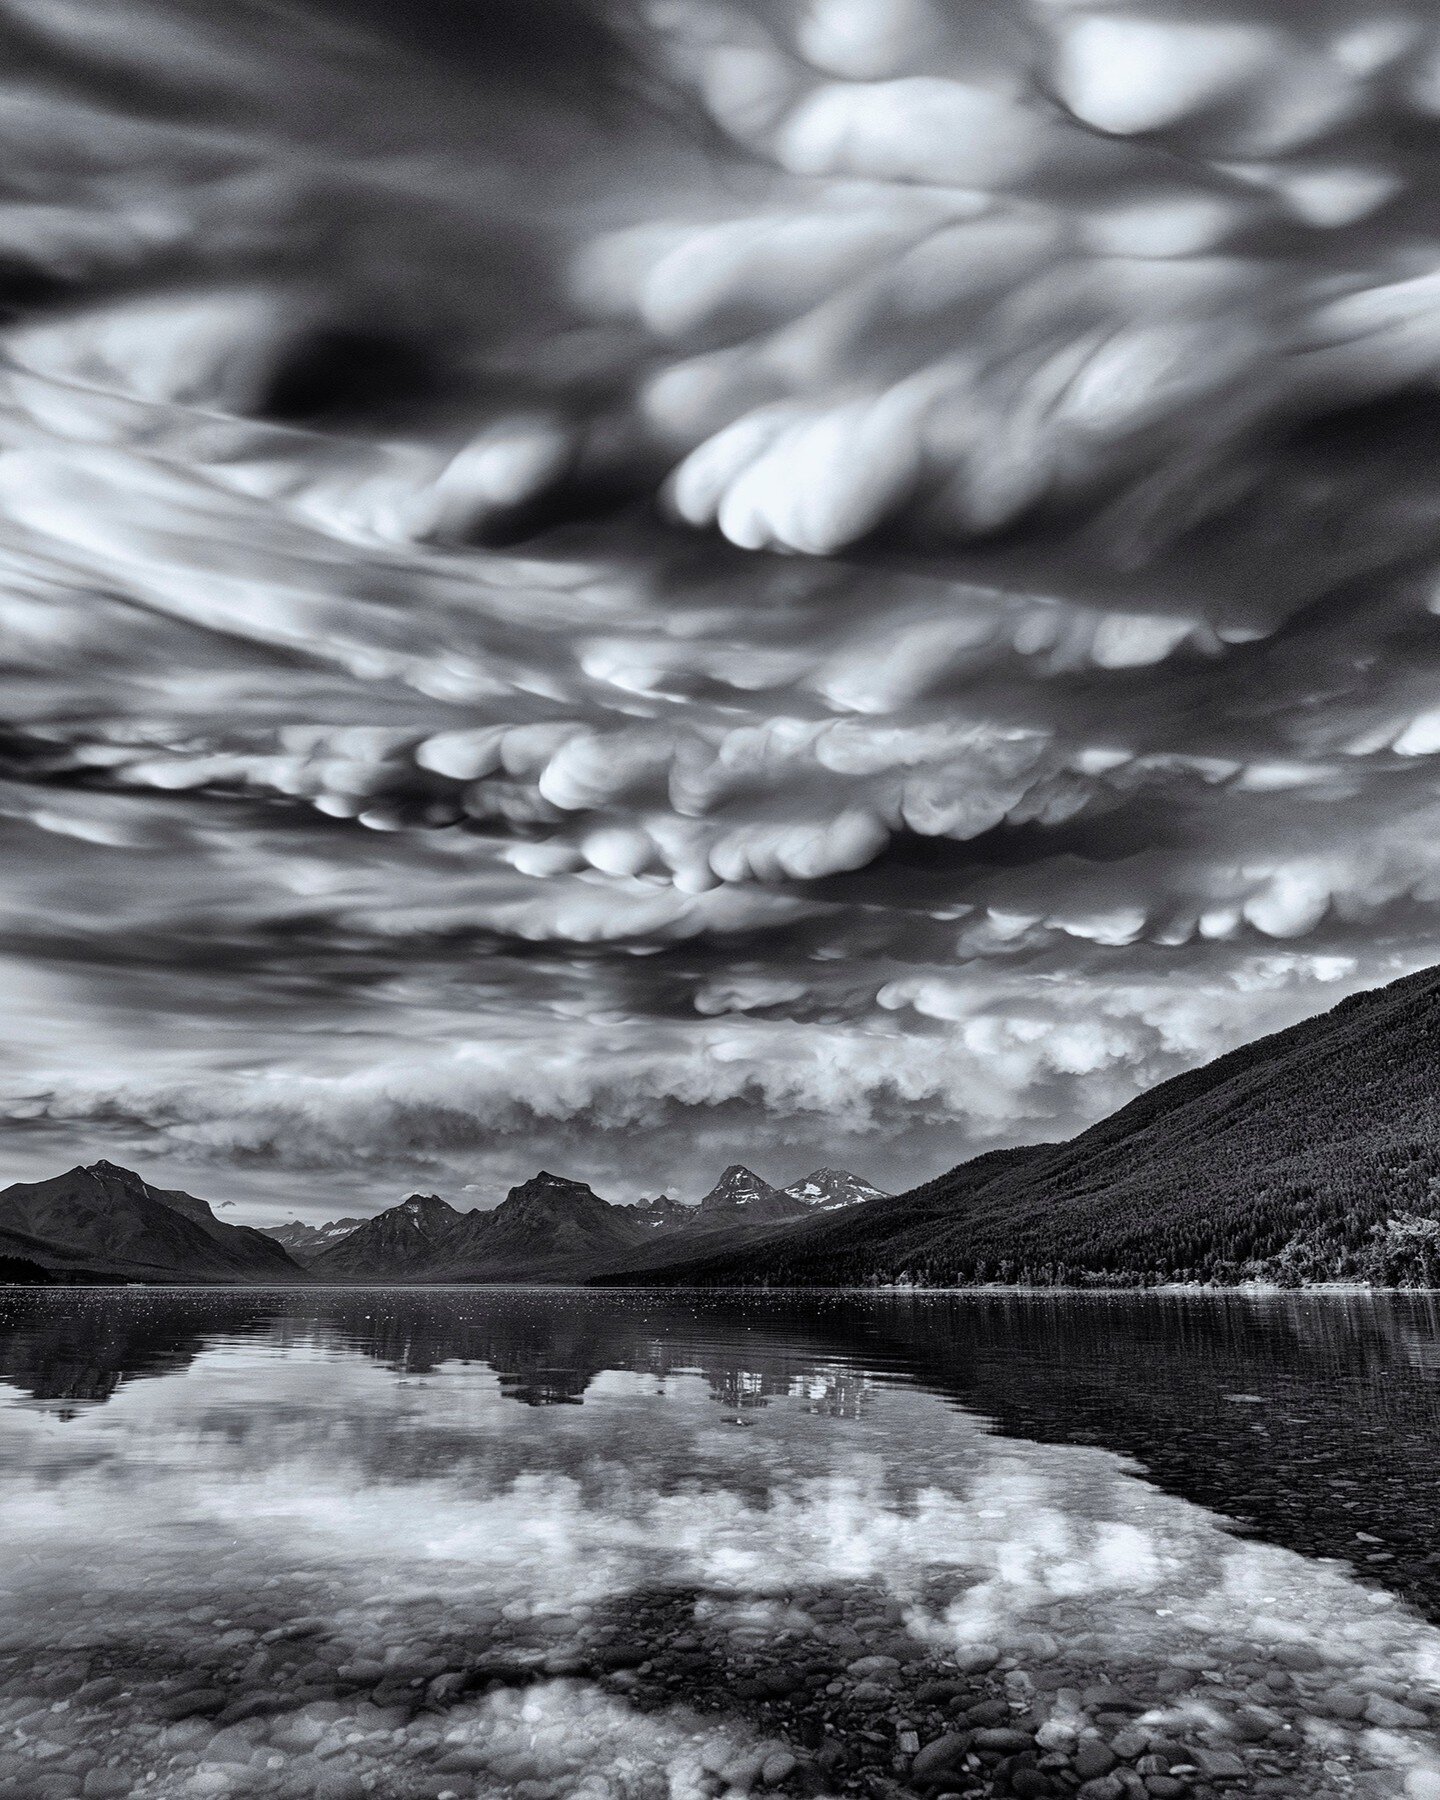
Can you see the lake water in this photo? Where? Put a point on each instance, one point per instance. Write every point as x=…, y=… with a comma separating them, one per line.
x=630, y=1546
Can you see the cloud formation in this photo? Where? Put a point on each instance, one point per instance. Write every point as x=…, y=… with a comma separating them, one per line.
x=726, y=579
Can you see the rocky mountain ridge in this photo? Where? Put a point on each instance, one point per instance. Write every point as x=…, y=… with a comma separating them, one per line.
x=101, y=1223
x=425, y=1237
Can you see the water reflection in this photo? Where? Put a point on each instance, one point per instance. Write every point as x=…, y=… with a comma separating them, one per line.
x=417, y=1543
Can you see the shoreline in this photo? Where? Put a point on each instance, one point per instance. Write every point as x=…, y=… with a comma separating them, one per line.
x=1167, y=1290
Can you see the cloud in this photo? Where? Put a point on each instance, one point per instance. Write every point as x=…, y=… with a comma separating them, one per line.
x=856, y=562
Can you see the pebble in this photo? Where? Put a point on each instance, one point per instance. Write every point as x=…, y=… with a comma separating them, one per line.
x=1218, y=1764
x=106, y=1784
x=870, y=1692
x=1391, y=1714
x=873, y=1665
x=1002, y=1738
x=339, y=1784
x=1093, y=1758
x=939, y=1756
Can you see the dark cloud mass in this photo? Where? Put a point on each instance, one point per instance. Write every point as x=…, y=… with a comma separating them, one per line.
x=635, y=585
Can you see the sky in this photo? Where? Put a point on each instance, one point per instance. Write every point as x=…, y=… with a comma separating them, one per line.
x=624, y=587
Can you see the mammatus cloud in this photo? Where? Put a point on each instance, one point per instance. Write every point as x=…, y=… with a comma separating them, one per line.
x=722, y=578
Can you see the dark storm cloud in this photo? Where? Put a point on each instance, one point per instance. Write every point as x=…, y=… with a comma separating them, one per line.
x=630, y=585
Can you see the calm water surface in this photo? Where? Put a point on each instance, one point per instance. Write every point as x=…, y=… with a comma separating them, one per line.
x=425, y=1543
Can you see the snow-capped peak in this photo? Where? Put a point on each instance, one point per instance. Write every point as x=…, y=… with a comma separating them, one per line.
x=828, y=1189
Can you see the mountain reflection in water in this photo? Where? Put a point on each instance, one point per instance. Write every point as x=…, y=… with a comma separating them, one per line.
x=309, y=1543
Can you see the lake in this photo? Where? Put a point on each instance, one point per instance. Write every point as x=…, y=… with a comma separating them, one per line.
x=625, y=1546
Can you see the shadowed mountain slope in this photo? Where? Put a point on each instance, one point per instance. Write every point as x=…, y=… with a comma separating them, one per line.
x=547, y=1229
x=103, y=1218
x=1313, y=1154
x=396, y=1244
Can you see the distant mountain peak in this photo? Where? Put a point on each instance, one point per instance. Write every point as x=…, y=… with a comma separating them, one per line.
x=741, y=1193
x=738, y=1186
x=545, y=1189
x=826, y=1189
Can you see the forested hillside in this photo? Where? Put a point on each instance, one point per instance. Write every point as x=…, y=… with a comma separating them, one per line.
x=1311, y=1155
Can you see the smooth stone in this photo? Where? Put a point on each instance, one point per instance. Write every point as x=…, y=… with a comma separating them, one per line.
x=339, y=1784
x=988, y=1712
x=873, y=1665
x=1423, y=1784
x=229, y=1747
x=464, y=1761
x=939, y=1756
x=740, y=1774
x=1254, y=1724
x=1341, y=1703
x=1103, y=1787
x=106, y=1784
x=105, y=1687
x=188, y=1705
x=1002, y=1738
x=1391, y=1714
x=936, y=1693
x=1102, y=1696
x=298, y=1735
x=1031, y=1784
x=1092, y=1759
x=975, y=1659
x=1218, y=1764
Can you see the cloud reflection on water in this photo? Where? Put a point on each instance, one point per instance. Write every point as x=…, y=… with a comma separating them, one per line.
x=413, y=1515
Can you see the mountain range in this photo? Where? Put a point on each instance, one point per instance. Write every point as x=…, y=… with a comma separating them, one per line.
x=551, y=1228
x=103, y=1223
x=1309, y=1156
